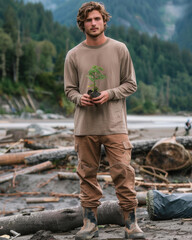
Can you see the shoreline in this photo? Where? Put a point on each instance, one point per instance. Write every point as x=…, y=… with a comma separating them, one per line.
x=133, y=121
x=133, y=133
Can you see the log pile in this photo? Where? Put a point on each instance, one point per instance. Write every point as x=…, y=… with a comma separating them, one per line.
x=44, y=158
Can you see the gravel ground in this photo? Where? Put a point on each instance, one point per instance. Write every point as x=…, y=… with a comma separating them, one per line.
x=175, y=229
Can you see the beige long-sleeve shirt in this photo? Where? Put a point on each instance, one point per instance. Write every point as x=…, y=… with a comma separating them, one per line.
x=120, y=82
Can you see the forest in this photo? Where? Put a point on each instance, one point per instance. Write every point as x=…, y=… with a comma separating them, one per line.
x=33, y=48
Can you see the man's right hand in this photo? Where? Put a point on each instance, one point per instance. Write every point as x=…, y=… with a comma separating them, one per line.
x=86, y=100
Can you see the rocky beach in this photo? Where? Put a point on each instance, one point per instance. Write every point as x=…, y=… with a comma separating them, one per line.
x=15, y=192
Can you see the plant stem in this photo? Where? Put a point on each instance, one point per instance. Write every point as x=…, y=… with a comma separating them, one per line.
x=94, y=85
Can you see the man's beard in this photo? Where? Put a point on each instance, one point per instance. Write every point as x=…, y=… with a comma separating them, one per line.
x=95, y=35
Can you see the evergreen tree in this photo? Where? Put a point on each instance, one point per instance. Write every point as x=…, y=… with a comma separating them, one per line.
x=5, y=44
x=18, y=53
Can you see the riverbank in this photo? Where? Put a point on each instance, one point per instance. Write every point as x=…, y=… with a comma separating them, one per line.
x=140, y=127
x=175, y=229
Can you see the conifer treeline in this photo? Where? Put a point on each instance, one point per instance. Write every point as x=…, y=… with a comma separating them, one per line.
x=33, y=48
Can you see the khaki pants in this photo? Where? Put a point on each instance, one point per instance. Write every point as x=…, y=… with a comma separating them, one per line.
x=118, y=151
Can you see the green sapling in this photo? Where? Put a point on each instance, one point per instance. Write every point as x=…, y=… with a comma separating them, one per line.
x=94, y=74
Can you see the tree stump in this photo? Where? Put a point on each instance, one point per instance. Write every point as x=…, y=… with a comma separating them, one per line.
x=169, y=155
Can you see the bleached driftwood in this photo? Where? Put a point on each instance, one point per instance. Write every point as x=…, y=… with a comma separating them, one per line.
x=17, y=158
x=42, y=199
x=74, y=176
x=33, y=169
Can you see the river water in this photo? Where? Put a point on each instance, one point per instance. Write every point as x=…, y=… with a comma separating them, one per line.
x=133, y=121
x=138, y=122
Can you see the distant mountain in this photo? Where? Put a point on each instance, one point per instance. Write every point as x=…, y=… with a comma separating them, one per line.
x=48, y=4
x=142, y=15
x=165, y=18
x=183, y=31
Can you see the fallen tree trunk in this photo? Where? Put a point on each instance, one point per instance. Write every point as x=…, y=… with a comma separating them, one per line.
x=55, y=155
x=63, y=220
x=17, y=158
x=36, y=146
x=140, y=148
x=36, y=168
x=59, y=220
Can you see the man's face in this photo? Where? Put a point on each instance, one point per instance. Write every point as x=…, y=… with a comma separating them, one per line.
x=94, y=24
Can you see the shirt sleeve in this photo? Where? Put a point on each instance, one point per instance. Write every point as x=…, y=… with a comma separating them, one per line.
x=128, y=84
x=71, y=83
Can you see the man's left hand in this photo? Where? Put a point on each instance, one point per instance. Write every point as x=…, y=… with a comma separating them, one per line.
x=104, y=97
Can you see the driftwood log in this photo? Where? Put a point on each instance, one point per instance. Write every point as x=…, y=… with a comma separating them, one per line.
x=55, y=155
x=169, y=155
x=74, y=176
x=140, y=148
x=42, y=199
x=59, y=220
x=37, y=168
x=17, y=158
x=36, y=146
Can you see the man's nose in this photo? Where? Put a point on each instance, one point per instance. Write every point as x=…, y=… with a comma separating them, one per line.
x=93, y=22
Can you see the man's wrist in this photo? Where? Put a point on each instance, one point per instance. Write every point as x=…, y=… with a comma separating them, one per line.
x=79, y=99
x=111, y=94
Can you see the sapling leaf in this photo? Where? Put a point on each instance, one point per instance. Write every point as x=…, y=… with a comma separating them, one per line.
x=94, y=74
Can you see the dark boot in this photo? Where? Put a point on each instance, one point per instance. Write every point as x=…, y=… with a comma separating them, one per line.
x=132, y=230
x=89, y=229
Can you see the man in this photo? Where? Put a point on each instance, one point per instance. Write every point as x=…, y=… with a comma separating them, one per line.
x=101, y=120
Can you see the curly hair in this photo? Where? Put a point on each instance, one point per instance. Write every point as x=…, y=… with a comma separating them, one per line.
x=89, y=7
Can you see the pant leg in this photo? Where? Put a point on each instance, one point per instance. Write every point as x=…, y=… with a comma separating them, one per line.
x=89, y=151
x=118, y=150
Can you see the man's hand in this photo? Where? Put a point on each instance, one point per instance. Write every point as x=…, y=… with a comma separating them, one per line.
x=86, y=100
x=104, y=97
